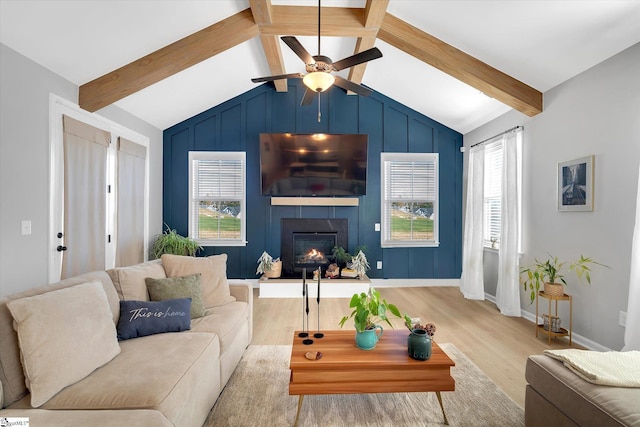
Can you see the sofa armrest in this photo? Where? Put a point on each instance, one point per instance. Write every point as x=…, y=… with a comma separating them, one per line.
x=243, y=291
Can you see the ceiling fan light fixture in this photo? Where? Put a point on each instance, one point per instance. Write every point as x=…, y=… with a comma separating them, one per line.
x=318, y=81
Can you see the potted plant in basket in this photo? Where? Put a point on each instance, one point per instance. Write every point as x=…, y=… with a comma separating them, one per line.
x=551, y=270
x=269, y=267
x=359, y=264
x=369, y=309
x=170, y=242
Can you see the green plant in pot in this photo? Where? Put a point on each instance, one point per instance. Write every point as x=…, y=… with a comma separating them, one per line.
x=369, y=309
x=547, y=273
x=170, y=242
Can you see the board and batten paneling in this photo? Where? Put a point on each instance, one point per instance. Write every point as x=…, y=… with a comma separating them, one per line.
x=236, y=124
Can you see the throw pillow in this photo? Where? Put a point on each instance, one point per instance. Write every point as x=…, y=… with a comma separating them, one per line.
x=142, y=318
x=178, y=287
x=64, y=335
x=129, y=281
x=215, y=288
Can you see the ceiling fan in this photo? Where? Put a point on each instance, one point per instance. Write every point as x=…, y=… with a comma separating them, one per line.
x=319, y=69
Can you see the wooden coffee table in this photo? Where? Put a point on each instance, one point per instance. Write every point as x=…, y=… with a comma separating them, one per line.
x=346, y=369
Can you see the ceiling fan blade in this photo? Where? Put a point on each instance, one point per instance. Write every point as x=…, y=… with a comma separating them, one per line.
x=295, y=46
x=353, y=87
x=358, y=58
x=308, y=97
x=280, y=77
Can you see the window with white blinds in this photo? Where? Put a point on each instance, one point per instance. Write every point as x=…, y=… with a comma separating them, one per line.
x=409, y=199
x=217, y=198
x=492, y=193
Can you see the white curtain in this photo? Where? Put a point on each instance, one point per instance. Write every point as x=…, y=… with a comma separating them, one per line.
x=632, y=331
x=85, y=187
x=508, y=289
x=472, y=279
x=131, y=194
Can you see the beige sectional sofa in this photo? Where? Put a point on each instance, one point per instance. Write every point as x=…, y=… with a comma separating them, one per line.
x=61, y=363
x=555, y=396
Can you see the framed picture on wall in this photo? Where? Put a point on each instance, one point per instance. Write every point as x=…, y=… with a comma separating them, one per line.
x=575, y=185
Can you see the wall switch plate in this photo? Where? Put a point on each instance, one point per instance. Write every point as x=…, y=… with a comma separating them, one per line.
x=26, y=227
x=379, y=265
x=377, y=226
x=622, y=318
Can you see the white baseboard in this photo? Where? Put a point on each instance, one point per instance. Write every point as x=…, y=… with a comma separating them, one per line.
x=413, y=283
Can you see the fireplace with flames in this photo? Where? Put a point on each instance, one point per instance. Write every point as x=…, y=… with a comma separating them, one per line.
x=308, y=243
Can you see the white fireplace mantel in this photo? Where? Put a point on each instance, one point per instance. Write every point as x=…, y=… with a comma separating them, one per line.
x=329, y=288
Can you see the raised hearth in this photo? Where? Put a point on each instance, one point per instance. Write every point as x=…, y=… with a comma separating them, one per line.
x=329, y=288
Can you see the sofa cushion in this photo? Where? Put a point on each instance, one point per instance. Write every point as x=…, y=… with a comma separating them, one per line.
x=178, y=287
x=176, y=374
x=63, y=335
x=226, y=321
x=142, y=318
x=11, y=372
x=215, y=288
x=129, y=281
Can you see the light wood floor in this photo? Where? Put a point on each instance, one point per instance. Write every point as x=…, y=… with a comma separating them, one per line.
x=497, y=344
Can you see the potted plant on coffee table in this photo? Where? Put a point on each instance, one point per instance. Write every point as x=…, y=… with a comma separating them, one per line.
x=269, y=267
x=369, y=309
x=420, y=339
x=548, y=272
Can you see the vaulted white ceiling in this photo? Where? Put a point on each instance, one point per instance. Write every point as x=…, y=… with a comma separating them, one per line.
x=540, y=43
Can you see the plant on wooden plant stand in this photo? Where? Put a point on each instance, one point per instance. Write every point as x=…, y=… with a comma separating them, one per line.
x=369, y=309
x=170, y=242
x=552, y=269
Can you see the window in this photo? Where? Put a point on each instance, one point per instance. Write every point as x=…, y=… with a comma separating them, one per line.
x=493, y=155
x=217, y=198
x=492, y=193
x=409, y=199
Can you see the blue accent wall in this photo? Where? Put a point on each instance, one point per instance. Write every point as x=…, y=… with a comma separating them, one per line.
x=236, y=124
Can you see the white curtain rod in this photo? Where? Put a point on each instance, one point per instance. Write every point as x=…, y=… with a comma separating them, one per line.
x=501, y=133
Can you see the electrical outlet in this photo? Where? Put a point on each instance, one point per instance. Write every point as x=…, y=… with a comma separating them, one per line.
x=622, y=318
x=377, y=226
x=379, y=265
x=26, y=227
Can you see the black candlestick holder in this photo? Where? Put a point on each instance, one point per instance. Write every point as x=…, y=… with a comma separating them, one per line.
x=319, y=334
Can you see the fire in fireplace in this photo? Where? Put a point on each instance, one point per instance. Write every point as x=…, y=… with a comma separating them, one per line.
x=313, y=255
x=308, y=243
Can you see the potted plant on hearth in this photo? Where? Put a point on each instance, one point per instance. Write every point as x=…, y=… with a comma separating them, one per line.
x=170, y=242
x=269, y=267
x=369, y=309
x=359, y=264
x=548, y=272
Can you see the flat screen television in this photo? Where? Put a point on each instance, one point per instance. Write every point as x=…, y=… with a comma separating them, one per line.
x=313, y=164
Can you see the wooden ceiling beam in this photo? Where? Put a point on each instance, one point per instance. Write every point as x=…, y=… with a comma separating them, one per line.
x=460, y=65
x=263, y=15
x=374, y=13
x=303, y=21
x=168, y=61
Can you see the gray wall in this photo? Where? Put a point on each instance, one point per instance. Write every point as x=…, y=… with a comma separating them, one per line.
x=24, y=166
x=596, y=112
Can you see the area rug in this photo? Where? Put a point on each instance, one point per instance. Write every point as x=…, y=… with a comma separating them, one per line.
x=258, y=395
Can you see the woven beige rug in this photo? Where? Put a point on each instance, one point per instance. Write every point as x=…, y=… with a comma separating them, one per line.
x=258, y=395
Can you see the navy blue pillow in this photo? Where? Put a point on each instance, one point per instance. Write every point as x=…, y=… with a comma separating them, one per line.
x=142, y=318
